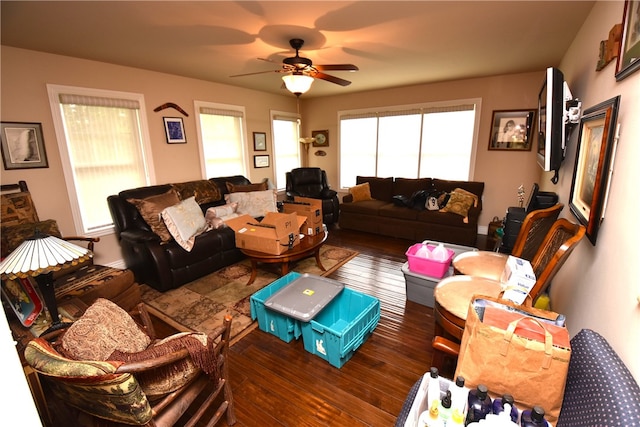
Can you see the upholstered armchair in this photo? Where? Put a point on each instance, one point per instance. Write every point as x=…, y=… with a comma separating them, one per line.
x=312, y=183
x=109, y=369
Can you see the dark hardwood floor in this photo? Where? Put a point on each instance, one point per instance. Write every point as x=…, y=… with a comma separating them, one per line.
x=280, y=384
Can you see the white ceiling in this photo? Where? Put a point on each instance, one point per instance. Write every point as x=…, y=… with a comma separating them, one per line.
x=394, y=43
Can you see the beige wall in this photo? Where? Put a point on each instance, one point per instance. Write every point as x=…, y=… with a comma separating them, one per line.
x=25, y=75
x=597, y=288
x=501, y=171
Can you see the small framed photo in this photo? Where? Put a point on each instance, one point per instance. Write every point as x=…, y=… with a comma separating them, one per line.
x=259, y=141
x=261, y=161
x=629, y=56
x=511, y=130
x=174, y=129
x=23, y=146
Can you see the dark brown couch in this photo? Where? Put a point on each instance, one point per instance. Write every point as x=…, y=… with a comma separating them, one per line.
x=167, y=265
x=382, y=216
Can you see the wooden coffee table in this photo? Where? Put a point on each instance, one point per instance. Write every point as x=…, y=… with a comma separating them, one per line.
x=308, y=246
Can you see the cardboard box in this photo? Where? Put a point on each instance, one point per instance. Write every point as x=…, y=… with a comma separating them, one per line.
x=517, y=279
x=311, y=209
x=275, y=234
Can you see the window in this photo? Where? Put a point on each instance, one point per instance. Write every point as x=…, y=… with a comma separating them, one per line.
x=221, y=133
x=104, y=147
x=286, y=145
x=425, y=141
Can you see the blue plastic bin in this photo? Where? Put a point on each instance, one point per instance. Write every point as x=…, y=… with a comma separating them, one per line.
x=341, y=327
x=273, y=322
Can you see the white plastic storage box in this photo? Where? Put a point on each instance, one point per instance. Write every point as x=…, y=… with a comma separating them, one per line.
x=273, y=322
x=419, y=287
x=341, y=327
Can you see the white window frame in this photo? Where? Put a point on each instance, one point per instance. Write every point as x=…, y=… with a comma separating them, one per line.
x=423, y=106
x=289, y=117
x=54, y=92
x=217, y=106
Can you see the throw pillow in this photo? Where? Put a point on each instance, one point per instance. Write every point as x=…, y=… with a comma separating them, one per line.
x=460, y=201
x=204, y=191
x=361, y=192
x=232, y=188
x=185, y=221
x=224, y=210
x=254, y=203
x=219, y=222
x=151, y=209
x=103, y=329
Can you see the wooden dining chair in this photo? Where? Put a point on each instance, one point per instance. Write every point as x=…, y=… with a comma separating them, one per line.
x=554, y=250
x=490, y=264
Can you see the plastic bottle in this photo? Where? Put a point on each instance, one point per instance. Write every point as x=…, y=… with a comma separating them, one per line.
x=430, y=419
x=533, y=418
x=440, y=253
x=433, y=390
x=458, y=401
x=479, y=404
x=444, y=410
x=423, y=251
x=498, y=406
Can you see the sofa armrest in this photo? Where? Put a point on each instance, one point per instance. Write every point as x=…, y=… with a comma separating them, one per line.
x=474, y=214
x=328, y=193
x=140, y=236
x=291, y=194
x=347, y=198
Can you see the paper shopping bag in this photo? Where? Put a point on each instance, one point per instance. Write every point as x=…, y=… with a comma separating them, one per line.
x=521, y=359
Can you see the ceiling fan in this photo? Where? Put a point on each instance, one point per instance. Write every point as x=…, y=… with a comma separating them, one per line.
x=300, y=71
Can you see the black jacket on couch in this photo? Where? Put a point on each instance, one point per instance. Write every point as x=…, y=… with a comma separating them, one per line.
x=167, y=265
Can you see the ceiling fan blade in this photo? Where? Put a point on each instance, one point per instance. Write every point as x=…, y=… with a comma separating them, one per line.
x=268, y=60
x=257, y=72
x=332, y=79
x=336, y=67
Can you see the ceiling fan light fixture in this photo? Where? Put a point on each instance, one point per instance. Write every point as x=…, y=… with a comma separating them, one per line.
x=297, y=83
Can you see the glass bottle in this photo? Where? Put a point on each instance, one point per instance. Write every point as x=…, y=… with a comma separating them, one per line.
x=479, y=404
x=498, y=406
x=533, y=418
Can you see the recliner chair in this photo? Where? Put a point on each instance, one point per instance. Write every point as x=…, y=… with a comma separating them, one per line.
x=312, y=183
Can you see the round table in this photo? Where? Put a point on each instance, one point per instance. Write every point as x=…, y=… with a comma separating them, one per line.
x=308, y=246
x=452, y=297
x=480, y=264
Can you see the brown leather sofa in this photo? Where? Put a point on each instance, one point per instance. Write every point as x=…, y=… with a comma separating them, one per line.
x=382, y=216
x=167, y=265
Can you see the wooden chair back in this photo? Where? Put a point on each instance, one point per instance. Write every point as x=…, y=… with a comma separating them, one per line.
x=533, y=231
x=558, y=244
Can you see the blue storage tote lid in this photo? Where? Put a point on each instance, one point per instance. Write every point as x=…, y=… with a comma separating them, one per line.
x=305, y=296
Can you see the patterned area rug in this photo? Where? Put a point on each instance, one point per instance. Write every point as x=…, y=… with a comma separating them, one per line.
x=202, y=304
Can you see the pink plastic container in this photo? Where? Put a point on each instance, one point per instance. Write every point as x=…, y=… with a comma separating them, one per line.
x=426, y=266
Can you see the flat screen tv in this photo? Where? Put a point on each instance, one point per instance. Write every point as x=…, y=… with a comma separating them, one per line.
x=551, y=121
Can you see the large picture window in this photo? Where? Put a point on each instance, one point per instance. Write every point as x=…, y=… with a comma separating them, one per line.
x=104, y=148
x=424, y=141
x=221, y=133
x=286, y=145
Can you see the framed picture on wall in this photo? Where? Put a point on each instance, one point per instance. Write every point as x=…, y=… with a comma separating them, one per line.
x=174, y=129
x=594, y=165
x=23, y=146
x=259, y=141
x=511, y=130
x=629, y=56
x=261, y=161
